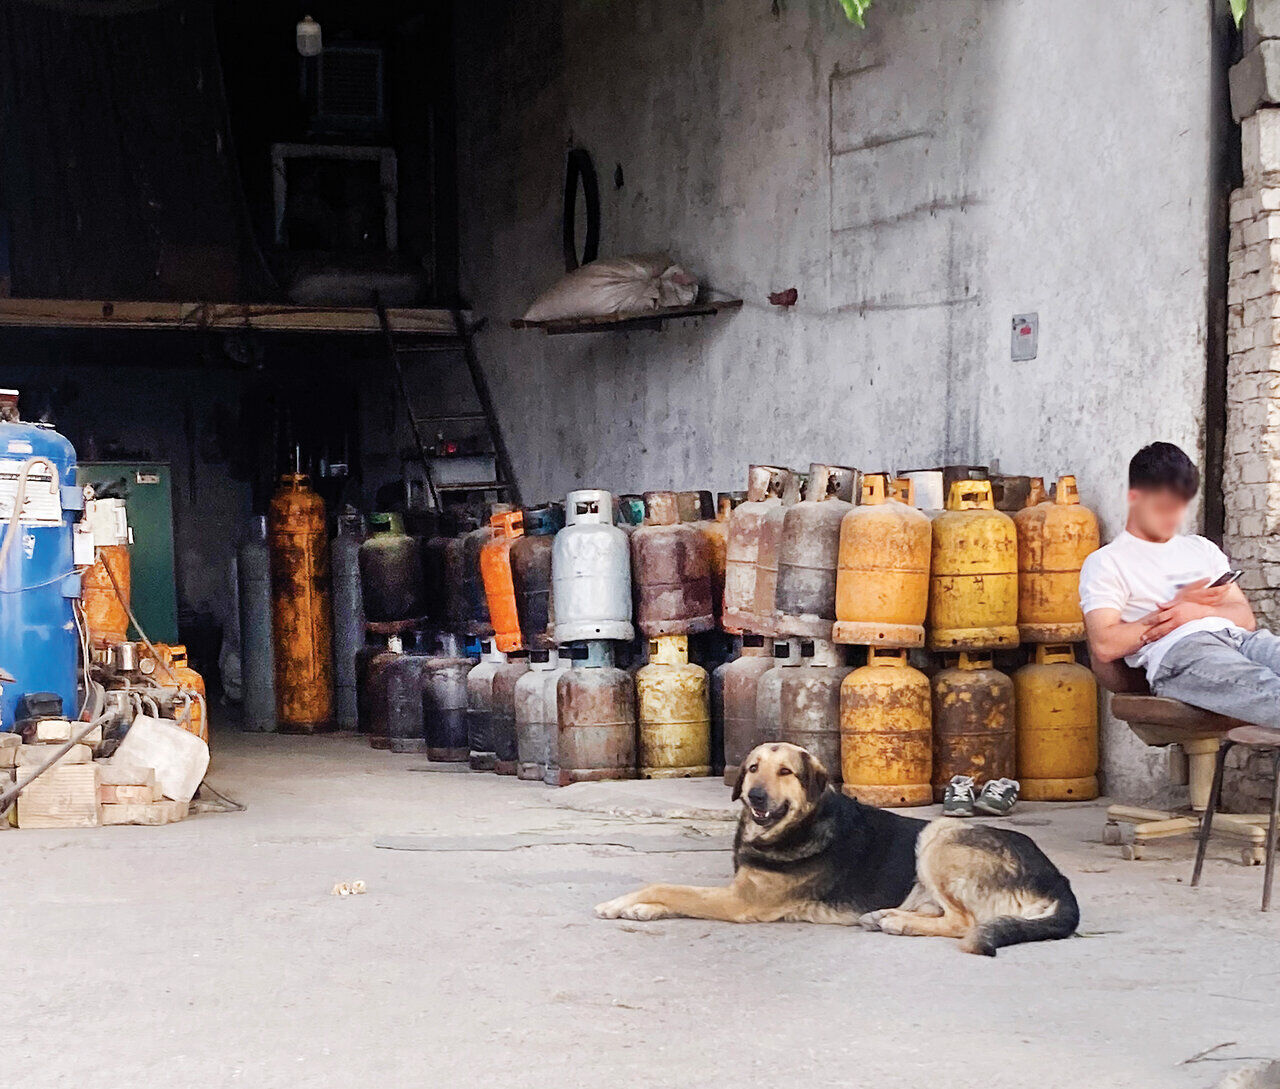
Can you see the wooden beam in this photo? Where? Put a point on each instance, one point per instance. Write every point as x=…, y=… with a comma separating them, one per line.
x=227, y=317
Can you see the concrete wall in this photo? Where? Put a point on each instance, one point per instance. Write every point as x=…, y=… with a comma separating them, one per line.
x=919, y=182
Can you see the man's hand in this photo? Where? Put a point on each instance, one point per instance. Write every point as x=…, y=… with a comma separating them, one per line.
x=1200, y=593
x=1174, y=615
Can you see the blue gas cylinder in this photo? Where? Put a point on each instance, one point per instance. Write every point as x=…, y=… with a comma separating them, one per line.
x=39, y=644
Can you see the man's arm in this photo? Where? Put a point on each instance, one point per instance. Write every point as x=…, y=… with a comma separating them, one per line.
x=1196, y=601
x=1111, y=638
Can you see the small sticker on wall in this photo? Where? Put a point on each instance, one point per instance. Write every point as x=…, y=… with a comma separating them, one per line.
x=1026, y=337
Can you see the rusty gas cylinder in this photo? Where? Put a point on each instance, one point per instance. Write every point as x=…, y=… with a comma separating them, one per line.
x=765, y=484
x=444, y=701
x=1010, y=493
x=499, y=588
x=406, y=731
x=503, y=710
x=733, y=688
x=974, y=729
x=716, y=530
x=596, y=718
x=1054, y=538
x=531, y=575
x=768, y=724
x=767, y=550
x=536, y=713
x=372, y=662
x=810, y=702
x=886, y=743
x=882, y=586
x=105, y=613
x=1036, y=493
x=481, y=754
x=671, y=571
x=302, y=623
x=973, y=581
x=805, y=600
x=689, y=505
x=674, y=710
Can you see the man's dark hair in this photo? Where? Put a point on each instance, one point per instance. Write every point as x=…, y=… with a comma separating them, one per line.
x=1161, y=465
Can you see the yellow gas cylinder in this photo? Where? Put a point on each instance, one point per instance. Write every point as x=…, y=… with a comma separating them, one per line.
x=882, y=581
x=190, y=714
x=973, y=722
x=886, y=737
x=105, y=614
x=1057, y=727
x=302, y=624
x=1054, y=537
x=674, y=710
x=973, y=585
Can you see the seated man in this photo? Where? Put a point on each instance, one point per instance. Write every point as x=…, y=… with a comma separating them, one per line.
x=1148, y=597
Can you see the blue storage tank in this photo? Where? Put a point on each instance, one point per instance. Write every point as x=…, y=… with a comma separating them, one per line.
x=39, y=644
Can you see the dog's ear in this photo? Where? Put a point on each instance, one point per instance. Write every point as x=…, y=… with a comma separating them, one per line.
x=737, y=783
x=813, y=776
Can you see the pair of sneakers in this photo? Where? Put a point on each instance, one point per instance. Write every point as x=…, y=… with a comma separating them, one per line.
x=996, y=798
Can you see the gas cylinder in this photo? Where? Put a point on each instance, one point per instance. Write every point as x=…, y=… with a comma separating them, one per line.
x=104, y=594
x=1036, y=493
x=431, y=530
x=502, y=713
x=391, y=571
x=191, y=713
x=536, y=714
x=301, y=615
x=531, y=576
x=1053, y=540
x=405, y=680
x=1057, y=714
x=444, y=701
x=480, y=707
x=671, y=571
x=974, y=730
x=477, y=623
x=457, y=603
x=716, y=531
x=805, y=600
x=928, y=494
x=591, y=572
x=371, y=690
x=768, y=724
x=499, y=588
x=690, y=505
x=674, y=710
x=810, y=702
x=630, y=512
x=973, y=585
x=39, y=644
x=596, y=718
x=882, y=586
x=886, y=743
x=767, y=549
x=734, y=687
x=742, y=546
x=257, y=655
x=348, y=615
x=1010, y=493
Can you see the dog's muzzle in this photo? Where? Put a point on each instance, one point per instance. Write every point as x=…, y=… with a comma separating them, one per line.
x=761, y=812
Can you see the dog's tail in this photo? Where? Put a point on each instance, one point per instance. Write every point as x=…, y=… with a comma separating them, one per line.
x=1059, y=922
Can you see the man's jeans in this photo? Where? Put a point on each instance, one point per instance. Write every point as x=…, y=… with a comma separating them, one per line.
x=1235, y=673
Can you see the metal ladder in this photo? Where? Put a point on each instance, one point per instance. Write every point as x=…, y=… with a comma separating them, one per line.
x=398, y=346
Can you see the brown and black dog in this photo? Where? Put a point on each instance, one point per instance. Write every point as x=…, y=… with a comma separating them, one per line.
x=806, y=853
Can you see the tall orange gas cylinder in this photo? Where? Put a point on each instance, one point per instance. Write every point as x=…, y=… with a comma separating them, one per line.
x=674, y=710
x=499, y=586
x=1053, y=540
x=882, y=583
x=886, y=739
x=973, y=584
x=973, y=722
x=1057, y=715
x=742, y=546
x=301, y=621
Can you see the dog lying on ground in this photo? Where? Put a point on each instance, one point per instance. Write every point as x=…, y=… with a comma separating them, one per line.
x=805, y=852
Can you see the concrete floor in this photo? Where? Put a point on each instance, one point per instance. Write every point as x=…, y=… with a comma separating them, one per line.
x=212, y=953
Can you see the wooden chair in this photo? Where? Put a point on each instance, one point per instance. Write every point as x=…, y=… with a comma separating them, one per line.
x=1200, y=734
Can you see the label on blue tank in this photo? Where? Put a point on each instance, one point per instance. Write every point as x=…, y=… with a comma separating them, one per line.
x=42, y=500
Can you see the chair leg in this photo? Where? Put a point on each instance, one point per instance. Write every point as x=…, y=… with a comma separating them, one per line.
x=1206, y=822
x=1271, y=831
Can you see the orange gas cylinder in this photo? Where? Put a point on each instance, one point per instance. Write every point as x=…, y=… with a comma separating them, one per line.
x=499, y=585
x=1054, y=537
x=190, y=714
x=301, y=620
x=886, y=733
x=105, y=614
x=882, y=584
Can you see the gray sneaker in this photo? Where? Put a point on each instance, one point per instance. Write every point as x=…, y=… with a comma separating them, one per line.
x=959, y=800
x=998, y=797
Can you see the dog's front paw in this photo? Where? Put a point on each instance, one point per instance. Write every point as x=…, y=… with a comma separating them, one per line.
x=871, y=920
x=645, y=913
x=613, y=909
x=893, y=922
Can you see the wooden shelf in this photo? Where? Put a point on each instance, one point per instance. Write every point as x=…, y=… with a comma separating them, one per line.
x=650, y=319
x=225, y=317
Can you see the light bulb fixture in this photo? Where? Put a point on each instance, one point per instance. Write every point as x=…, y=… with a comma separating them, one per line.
x=310, y=40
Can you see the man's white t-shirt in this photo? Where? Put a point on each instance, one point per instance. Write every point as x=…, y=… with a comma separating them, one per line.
x=1137, y=577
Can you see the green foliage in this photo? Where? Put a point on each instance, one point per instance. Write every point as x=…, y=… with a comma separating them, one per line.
x=855, y=10
x=1237, y=10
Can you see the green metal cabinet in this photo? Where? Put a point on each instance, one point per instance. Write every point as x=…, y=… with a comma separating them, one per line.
x=149, y=503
